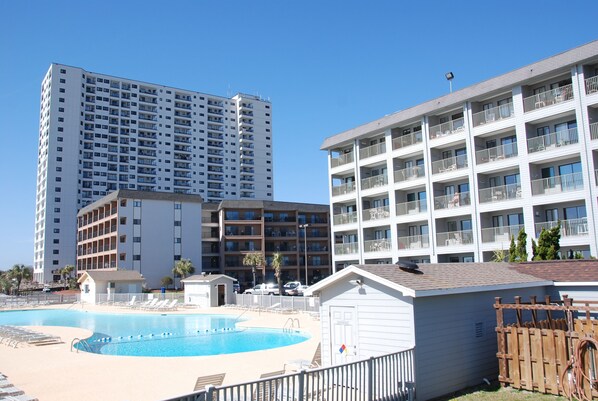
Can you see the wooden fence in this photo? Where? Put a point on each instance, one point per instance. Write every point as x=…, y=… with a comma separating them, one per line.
x=549, y=347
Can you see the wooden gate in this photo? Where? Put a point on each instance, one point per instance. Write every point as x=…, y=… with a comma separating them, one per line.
x=550, y=347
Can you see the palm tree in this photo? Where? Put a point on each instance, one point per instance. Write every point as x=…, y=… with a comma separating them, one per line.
x=276, y=263
x=182, y=268
x=254, y=259
x=19, y=273
x=66, y=273
x=5, y=283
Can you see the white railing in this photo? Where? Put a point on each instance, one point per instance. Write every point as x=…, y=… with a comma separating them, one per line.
x=452, y=238
x=552, y=140
x=450, y=164
x=407, y=140
x=569, y=228
x=557, y=184
x=497, y=153
x=418, y=206
x=500, y=193
x=348, y=248
x=501, y=234
x=448, y=128
x=409, y=173
x=450, y=201
x=345, y=218
x=414, y=242
x=374, y=181
x=341, y=159
x=377, y=245
x=373, y=150
x=343, y=189
x=591, y=85
x=548, y=98
x=376, y=213
x=594, y=131
x=278, y=302
x=494, y=114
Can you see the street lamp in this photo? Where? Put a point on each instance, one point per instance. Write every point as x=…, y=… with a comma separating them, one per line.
x=449, y=77
x=304, y=227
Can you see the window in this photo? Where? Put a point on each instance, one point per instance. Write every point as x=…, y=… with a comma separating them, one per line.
x=136, y=221
x=136, y=239
x=137, y=203
x=177, y=223
x=136, y=257
x=177, y=240
x=177, y=205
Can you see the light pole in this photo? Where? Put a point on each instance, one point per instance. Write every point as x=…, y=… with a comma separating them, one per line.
x=449, y=77
x=304, y=227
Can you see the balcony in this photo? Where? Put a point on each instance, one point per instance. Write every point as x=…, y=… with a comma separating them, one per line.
x=454, y=238
x=594, y=131
x=500, y=193
x=415, y=207
x=373, y=182
x=448, y=128
x=377, y=245
x=548, y=98
x=348, y=248
x=452, y=201
x=373, y=150
x=569, y=228
x=494, y=114
x=449, y=164
x=557, y=184
x=376, y=213
x=497, y=153
x=344, y=218
x=345, y=158
x=407, y=140
x=409, y=173
x=591, y=85
x=414, y=242
x=501, y=234
x=552, y=140
x=343, y=189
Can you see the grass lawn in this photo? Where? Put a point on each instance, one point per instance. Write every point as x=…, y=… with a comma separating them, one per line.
x=496, y=393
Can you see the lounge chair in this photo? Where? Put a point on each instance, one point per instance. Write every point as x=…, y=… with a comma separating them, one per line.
x=316, y=361
x=152, y=304
x=268, y=390
x=131, y=303
x=211, y=380
x=169, y=306
x=20, y=397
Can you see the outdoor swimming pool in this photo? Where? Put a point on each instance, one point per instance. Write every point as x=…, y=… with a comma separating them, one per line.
x=158, y=335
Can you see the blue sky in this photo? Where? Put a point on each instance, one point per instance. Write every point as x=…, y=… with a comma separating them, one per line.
x=327, y=66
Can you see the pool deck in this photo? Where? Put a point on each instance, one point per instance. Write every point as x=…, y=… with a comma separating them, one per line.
x=54, y=372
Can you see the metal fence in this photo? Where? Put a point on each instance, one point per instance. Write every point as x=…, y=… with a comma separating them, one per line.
x=136, y=298
x=278, y=302
x=37, y=299
x=388, y=377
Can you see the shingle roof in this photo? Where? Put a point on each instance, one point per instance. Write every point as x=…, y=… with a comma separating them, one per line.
x=114, y=275
x=207, y=277
x=561, y=270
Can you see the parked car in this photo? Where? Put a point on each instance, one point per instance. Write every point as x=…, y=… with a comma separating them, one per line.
x=263, y=289
x=298, y=291
x=291, y=285
x=46, y=289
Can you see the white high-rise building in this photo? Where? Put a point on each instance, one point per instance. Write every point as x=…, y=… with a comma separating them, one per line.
x=100, y=133
x=454, y=178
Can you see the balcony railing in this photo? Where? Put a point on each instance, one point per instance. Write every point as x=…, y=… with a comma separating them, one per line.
x=494, y=114
x=451, y=201
x=596, y=176
x=552, y=140
x=409, y=173
x=374, y=181
x=373, y=150
x=344, y=218
x=448, y=128
x=348, y=248
x=343, y=189
x=501, y=234
x=453, y=238
x=557, y=184
x=407, y=140
x=569, y=228
x=341, y=159
x=418, y=206
x=594, y=131
x=548, y=98
x=377, y=245
x=497, y=153
x=500, y=193
x=376, y=213
x=450, y=164
x=414, y=242
x=591, y=85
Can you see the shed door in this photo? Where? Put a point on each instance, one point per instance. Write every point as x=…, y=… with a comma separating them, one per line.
x=343, y=334
x=221, y=294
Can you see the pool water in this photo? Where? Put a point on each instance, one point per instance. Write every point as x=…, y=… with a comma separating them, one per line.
x=158, y=335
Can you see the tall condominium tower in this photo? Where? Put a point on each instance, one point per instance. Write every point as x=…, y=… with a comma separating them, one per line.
x=100, y=133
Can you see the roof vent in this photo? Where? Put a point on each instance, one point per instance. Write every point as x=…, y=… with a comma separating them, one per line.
x=408, y=266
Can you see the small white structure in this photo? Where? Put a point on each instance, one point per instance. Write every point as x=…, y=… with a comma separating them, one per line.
x=94, y=283
x=444, y=310
x=209, y=290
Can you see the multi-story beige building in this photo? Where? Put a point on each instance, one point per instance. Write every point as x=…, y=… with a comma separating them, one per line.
x=452, y=179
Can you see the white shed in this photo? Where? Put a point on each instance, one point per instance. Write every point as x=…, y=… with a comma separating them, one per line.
x=93, y=283
x=209, y=290
x=444, y=310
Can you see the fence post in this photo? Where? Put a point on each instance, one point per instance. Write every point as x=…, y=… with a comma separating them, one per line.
x=370, y=365
x=301, y=384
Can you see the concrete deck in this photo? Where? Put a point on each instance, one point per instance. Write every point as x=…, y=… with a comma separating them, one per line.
x=53, y=372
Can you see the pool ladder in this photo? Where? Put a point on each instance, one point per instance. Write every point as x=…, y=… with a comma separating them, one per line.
x=289, y=325
x=76, y=341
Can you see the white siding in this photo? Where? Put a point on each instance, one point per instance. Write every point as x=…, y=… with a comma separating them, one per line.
x=581, y=293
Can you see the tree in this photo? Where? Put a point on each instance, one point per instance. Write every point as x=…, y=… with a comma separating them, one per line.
x=499, y=255
x=512, y=250
x=166, y=281
x=522, y=246
x=254, y=259
x=182, y=268
x=276, y=263
x=18, y=273
x=548, y=246
x=5, y=283
x=66, y=271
